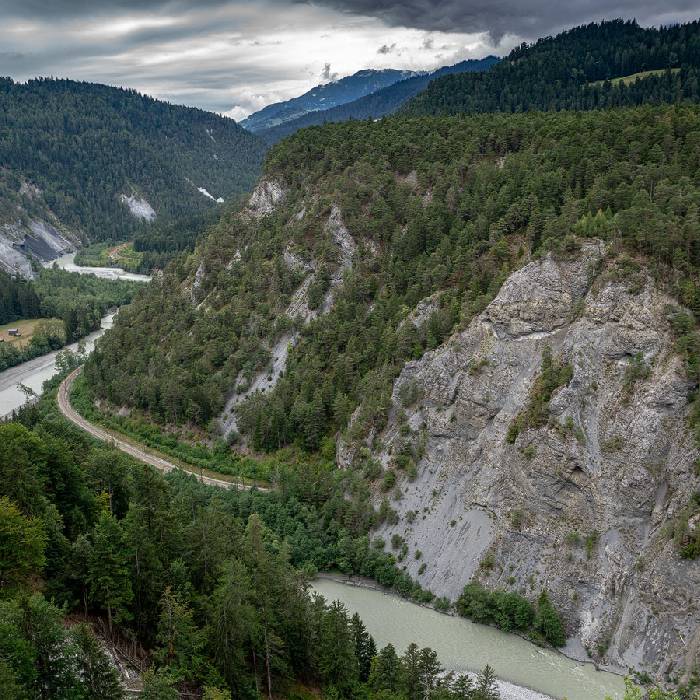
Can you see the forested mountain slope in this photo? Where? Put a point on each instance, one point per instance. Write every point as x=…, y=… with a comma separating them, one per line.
x=323, y=97
x=303, y=319
x=573, y=70
x=378, y=103
x=194, y=591
x=100, y=162
x=397, y=211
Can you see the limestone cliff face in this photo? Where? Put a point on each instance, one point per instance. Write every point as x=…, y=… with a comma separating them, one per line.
x=578, y=505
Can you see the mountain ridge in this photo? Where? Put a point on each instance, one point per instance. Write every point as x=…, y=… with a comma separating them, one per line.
x=324, y=96
x=574, y=69
x=376, y=104
x=97, y=163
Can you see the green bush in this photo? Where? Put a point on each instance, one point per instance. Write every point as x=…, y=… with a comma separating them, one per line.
x=510, y=611
x=553, y=375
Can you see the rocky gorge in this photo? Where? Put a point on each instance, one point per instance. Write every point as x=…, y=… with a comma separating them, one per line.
x=579, y=503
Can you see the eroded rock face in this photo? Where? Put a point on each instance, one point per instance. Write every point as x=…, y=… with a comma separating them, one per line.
x=265, y=198
x=138, y=207
x=579, y=505
x=298, y=310
x=22, y=241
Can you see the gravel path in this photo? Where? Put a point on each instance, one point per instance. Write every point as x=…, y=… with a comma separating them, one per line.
x=137, y=453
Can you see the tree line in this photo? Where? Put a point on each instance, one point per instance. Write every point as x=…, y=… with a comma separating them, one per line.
x=576, y=70
x=73, y=306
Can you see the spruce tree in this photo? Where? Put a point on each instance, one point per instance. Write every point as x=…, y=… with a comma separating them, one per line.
x=486, y=686
x=108, y=569
x=548, y=623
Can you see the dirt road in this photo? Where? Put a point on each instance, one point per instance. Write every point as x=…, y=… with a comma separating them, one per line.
x=134, y=451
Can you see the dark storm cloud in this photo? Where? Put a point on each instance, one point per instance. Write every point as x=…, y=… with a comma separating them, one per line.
x=235, y=56
x=524, y=18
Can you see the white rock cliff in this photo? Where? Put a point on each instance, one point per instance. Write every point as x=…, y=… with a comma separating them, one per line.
x=578, y=506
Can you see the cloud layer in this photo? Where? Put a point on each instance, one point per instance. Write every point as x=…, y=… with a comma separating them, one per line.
x=236, y=56
x=528, y=19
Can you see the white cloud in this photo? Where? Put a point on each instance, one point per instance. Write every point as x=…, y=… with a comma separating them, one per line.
x=233, y=58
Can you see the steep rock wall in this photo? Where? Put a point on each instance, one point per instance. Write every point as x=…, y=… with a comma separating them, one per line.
x=578, y=505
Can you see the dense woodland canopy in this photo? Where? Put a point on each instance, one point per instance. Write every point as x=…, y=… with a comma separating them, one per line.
x=208, y=584
x=450, y=205
x=84, y=145
x=573, y=70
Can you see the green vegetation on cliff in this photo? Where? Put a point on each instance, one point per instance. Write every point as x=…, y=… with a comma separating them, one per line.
x=436, y=206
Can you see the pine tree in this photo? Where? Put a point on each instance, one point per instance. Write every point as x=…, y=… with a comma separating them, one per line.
x=9, y=683
x=429, y=670
x=486, y=686
x=180, y=641
x=158, y=686
x=53, y=651
x=410, y=672
x=232, y=620
x=548, y=622
x=22, y=545
x=365, y=648
x=385, y=670
x=108, y=572
x=337, y=661
x=463, y=687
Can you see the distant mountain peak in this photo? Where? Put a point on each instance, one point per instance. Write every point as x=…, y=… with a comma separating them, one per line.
x=325, y=96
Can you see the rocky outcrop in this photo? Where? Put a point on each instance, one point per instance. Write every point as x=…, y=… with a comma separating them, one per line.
x=265, y=197
x=35, y=239
x=138, y=207
x=578, y=503
x=263, y=201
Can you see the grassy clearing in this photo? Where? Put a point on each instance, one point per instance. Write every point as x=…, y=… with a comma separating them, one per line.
x=26, y=327
x=110, y=255
x=628, y=79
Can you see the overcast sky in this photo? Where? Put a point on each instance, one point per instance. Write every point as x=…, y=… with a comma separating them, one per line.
x=237, y=56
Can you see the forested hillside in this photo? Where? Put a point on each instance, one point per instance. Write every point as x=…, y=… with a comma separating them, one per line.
x=203, y=591
x=377, y=104
x=435, y=209
x=575, y=70
x=106, y=160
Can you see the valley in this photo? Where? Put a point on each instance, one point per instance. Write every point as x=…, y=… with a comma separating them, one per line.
x=395, y=398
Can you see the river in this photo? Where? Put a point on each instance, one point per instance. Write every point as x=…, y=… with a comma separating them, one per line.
x=35, y=372
x=67, y=262
x=527, y=672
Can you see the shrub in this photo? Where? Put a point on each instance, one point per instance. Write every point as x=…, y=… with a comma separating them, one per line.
x=510, y=611
x=553, y=375
x=389, y=480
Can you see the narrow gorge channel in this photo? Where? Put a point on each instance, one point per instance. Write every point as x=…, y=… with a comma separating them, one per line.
x=526, y=671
